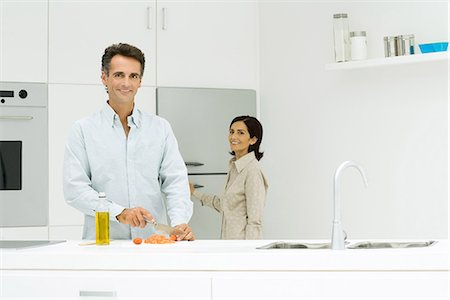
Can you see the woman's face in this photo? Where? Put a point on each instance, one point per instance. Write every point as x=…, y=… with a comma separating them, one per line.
x=239, y=139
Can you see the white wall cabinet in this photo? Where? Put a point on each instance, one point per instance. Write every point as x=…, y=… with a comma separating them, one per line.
x=23, y=41
x=207, y=44
x=186, y=43
x=81, y=30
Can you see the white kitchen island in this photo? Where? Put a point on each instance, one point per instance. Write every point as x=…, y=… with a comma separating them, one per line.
x=222, y=270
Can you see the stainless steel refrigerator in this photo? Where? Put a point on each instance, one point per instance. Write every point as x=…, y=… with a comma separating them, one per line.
x=200, y=118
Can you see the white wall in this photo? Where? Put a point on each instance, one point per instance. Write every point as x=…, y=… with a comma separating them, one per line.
x=393, y=120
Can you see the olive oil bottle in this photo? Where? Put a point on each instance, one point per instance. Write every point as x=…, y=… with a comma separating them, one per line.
x=102, y=221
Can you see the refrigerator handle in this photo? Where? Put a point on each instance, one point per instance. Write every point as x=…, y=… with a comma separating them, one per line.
x=193, y=164
x=198, y=186
x=164, y=18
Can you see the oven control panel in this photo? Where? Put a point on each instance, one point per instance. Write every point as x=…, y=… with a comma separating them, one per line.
x=23, y=94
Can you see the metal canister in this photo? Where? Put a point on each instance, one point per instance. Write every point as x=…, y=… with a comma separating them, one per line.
x=405, y=44
x=390, y=46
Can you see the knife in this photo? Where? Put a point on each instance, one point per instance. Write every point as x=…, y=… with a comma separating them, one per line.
x=165, y=228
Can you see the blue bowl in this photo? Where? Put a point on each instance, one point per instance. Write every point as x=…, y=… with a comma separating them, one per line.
x=433, y=47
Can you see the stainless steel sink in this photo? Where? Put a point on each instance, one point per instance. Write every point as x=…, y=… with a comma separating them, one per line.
x=382, y=245
x=286, y=245
x=359, y=245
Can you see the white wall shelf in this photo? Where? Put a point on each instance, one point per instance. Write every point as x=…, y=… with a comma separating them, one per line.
x=388, y=61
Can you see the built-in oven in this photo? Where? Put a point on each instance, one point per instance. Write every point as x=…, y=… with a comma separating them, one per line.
x=23, y=154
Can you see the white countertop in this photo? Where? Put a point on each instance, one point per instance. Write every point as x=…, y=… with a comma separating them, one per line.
x=218, y=255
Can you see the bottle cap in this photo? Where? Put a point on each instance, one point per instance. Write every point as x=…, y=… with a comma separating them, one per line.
x=406, y=36
x=338, y=16
x=357, y=33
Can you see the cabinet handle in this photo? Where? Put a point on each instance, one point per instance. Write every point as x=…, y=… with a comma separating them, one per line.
x=16, y=118
x=149, y=17
x=193, y=164
x=198, y=186
x=109, y=294
x=164, y=18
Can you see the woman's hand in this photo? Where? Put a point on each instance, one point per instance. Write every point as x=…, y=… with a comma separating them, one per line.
x=191, y=188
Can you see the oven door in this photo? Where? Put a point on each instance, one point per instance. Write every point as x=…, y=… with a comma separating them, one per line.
x=23, y=166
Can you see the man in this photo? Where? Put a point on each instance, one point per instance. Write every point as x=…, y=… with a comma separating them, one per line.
x=130, y=155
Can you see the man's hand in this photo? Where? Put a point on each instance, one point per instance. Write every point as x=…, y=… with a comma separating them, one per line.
x=188, y=234
x=134, y=216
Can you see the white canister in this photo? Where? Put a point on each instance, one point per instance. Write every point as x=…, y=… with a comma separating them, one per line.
x=358, y=42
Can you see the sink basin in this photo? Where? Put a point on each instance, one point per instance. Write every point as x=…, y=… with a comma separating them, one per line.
x=359, y=245
x=285, y=245
x=382, y=245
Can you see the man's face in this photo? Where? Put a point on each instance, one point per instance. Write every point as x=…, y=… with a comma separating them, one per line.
x=124, y=79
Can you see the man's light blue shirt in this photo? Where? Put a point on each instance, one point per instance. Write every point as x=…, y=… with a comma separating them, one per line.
x=141, y=170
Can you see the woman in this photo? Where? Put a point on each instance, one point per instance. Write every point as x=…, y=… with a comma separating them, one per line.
x=242, y=202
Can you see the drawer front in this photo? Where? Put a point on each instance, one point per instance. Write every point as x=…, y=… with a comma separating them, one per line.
x=104, y=285
x=331, y=285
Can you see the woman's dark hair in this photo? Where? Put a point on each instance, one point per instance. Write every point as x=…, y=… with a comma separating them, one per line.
x=124, y=50
x=255, y=130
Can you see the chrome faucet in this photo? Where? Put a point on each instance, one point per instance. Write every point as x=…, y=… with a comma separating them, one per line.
x=338, y=235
